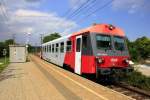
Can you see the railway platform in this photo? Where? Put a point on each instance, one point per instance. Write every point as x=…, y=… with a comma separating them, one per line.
x=40, y=80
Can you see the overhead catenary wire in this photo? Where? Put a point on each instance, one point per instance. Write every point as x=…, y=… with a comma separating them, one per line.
x=4, y=10
x=96, y=10
x=69, y=15
x=85, y=9
x=70, y=10
x=82, y=7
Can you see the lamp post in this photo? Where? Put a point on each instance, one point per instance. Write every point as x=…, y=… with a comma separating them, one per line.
x=41, y=36
x=27, y=42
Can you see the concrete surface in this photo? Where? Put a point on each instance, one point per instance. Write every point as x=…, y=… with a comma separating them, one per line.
x=145, y=69
x=39, y=80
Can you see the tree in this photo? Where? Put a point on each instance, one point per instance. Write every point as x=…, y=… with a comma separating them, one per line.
x=51, y=37
x=6, y=46
x=2, y=46
x=143, y=46
x=9, y=42
x=139, y=49
x=132, y=50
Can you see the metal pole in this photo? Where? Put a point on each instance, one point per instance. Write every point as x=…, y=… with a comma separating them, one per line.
x=5, y=59
x=14, y=37
x=41, y=44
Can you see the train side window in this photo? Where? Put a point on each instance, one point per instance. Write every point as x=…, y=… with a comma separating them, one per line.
x=45, y=48
x=68, y=47
x=78, y=45
x=62, y=47
x=57, y=46
x=52, y=47
x=49, y=48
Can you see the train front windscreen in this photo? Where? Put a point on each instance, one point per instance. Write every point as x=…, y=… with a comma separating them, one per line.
x=106, y=42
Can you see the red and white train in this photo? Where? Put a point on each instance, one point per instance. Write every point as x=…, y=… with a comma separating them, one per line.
x=100, y=49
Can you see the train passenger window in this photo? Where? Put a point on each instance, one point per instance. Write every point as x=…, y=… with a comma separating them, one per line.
x=52, y=47
x=68, y=47
x=57, y=47
x=49, y=48
x=42, y=49
x=62, y=47
x=78, y=45
x=45, y=48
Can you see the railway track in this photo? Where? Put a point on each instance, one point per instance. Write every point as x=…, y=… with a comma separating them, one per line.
x=130, y=91
x=125, y=89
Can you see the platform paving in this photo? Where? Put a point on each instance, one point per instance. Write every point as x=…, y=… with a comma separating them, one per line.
x=39, y=80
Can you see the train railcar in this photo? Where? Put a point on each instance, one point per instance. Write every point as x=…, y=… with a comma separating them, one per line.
x=100, y=49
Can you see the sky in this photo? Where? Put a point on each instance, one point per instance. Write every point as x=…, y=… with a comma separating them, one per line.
x=27, y=19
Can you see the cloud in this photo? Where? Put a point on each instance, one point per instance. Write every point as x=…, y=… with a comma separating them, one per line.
x=131, y=6
x=22, y=19
x=30, y=13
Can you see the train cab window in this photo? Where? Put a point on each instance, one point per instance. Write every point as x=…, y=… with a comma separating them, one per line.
x=49, y=48
x=119, y=43
x=78, y=45
x=103, y=42
x=69, y=45
x=62, y=47
x=52, y=47
x=57, y=46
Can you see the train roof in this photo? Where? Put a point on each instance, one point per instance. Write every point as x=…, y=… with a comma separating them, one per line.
x=102, y=29
x=59, y=39
x=105, y=29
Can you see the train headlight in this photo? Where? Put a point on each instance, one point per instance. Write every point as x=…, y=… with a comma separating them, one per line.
x=100, y=60
x=127, y=61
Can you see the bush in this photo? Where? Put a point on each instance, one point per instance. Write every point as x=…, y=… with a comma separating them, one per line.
x=139, y=80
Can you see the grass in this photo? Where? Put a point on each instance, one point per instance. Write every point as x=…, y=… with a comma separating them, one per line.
x=137, y=79
x=3, y=64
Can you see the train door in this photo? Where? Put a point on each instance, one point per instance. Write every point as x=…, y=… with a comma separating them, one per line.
x=78, y=54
